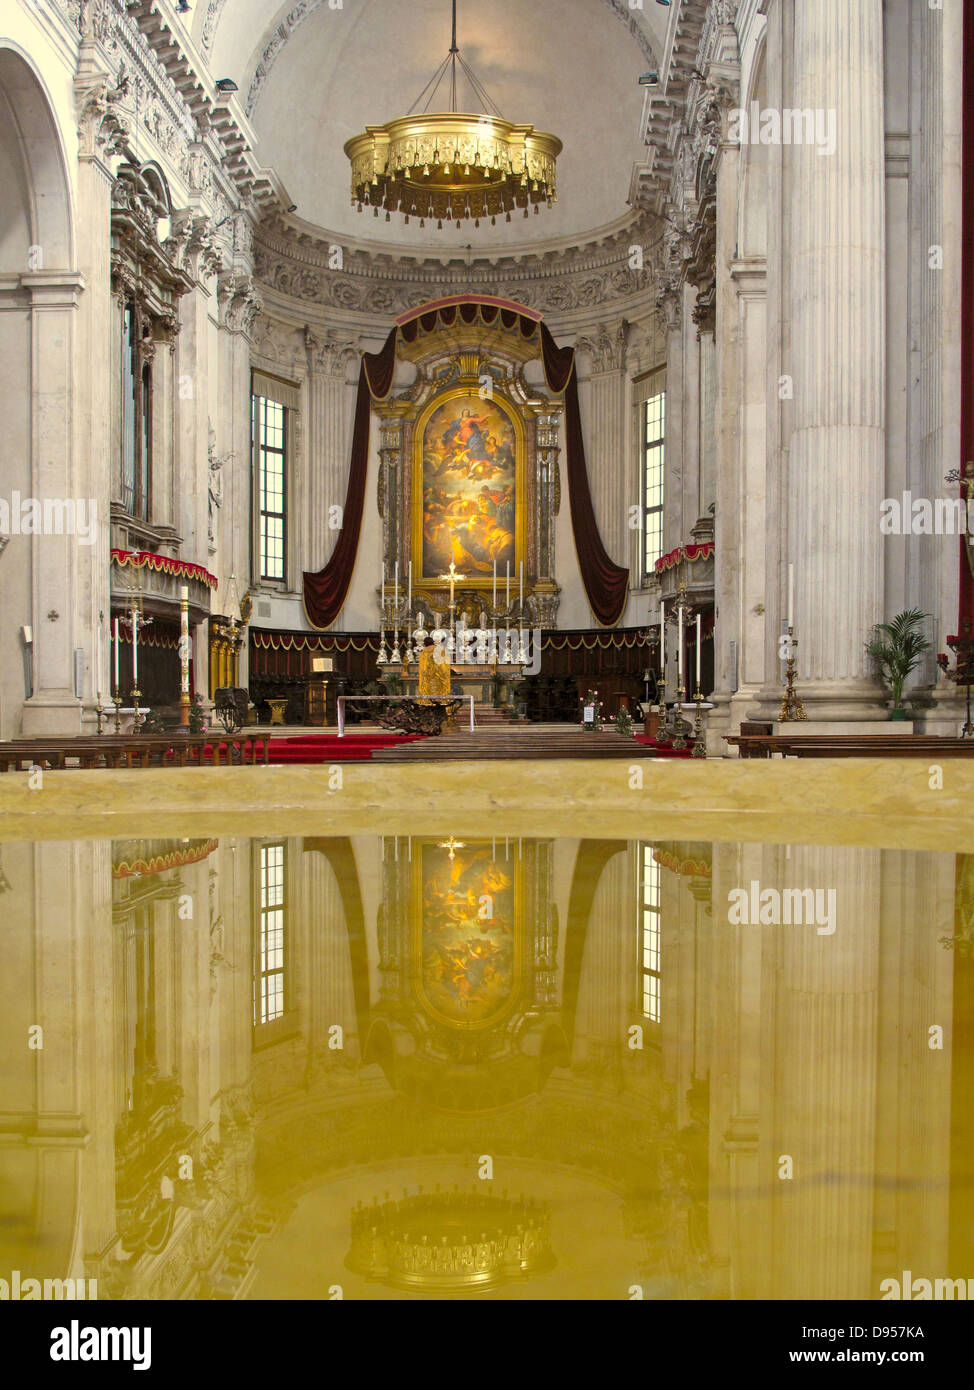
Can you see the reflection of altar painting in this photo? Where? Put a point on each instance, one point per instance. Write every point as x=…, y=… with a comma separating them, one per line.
x=467, y=933
x=469, y=478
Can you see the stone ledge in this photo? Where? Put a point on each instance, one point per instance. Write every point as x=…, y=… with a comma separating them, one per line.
x=853, y=801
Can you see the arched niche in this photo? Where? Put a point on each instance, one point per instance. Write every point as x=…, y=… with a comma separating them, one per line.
x=35, y=211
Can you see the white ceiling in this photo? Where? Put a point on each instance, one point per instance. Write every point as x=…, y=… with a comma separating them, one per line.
x=566, y=66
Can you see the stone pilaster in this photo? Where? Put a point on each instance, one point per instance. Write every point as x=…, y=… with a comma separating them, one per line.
x=56, y=563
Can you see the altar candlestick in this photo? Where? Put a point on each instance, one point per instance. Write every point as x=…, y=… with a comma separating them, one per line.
x=135, y=646
x=698, y=651
x=117, y=687
x=791, y=596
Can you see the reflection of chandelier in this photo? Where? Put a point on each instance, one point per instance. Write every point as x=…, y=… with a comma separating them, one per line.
x=450, y=164
x=444, y=1242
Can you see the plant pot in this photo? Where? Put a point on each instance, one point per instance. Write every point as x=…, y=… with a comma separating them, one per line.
x=899, y=715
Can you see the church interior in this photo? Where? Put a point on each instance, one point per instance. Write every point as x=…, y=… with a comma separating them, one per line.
x=486, y=652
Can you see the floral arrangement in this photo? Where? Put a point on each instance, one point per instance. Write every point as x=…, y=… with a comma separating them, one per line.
x=624, y=724
x=590, y=700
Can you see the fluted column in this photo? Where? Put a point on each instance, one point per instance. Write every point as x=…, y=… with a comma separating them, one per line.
x=838, y=313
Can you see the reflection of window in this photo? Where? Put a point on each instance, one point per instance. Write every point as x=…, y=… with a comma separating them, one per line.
x=269, y=433
x=269, y=999
x=653, y=452
x=649, y=935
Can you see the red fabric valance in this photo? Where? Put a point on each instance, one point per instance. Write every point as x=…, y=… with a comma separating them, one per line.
x=692, y=553
x=178, y=569
x=606, y=584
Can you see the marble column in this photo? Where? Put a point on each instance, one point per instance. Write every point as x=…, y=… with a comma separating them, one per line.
x=838, y=313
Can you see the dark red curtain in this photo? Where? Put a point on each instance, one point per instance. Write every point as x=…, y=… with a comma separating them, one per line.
x=606, y=583
x=324, y=592
x=965, y=618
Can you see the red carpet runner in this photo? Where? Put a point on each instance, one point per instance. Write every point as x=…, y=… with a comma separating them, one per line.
x=329, y=748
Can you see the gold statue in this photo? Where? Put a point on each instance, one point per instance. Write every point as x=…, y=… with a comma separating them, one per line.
x=434, y=672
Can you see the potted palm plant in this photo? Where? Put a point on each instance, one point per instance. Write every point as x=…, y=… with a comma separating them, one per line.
x=897, y=648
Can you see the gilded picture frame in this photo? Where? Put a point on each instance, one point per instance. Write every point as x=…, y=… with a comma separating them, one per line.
x=450, y=474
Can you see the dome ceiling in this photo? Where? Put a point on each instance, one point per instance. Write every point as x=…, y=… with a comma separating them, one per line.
x=323, y=74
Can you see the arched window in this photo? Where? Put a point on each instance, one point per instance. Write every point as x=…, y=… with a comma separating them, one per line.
x=136, y=415
x=130, y=442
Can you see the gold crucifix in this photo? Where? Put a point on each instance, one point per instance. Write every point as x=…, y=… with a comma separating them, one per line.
x=451, y=844
x=453, y=579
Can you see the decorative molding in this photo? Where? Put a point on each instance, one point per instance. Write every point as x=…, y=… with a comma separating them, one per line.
x=383, y=284
x=240, y=302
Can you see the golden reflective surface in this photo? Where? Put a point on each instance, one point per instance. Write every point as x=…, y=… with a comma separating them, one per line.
x=456, y=1066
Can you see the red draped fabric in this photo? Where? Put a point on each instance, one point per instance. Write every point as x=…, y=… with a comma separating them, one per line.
x=966, y=602
x=606, y=584
x=324, y=592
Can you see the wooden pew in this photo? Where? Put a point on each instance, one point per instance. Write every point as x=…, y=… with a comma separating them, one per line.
x=135, y=750
x=851, y=745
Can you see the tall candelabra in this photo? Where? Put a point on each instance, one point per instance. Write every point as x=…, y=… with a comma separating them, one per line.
x=792, y=708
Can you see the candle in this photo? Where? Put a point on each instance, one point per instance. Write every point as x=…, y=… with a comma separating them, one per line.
x=698, y=651
x=521, y=595
x=117, y=687
x=409, y=599
x=382, y=615
x=791, y=596
x=495, y=584
x=507, y=594
x=679, y=648
x=395, y=601
x=662, y=639
x=184, y=640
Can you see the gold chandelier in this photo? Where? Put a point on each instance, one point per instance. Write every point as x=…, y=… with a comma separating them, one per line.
x=452, y=165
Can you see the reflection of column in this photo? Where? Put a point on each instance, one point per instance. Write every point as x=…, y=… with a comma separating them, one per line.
x=825, y=1082
x=838, y=262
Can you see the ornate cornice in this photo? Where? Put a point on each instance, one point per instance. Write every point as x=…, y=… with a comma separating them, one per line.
x=381, y=282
